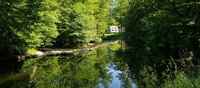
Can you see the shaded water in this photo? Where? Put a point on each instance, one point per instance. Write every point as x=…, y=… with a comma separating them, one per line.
x=96, y=69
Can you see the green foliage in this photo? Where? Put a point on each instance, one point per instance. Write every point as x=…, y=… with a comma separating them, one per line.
x=182, y=80
x=119, y=10
x=162, y=35
x=69, y=26
x=113, y=36
x=12, y=20
x=27, y=24
x=44, y=27
x=31, y=51
x=46, y=23
x=82, y=22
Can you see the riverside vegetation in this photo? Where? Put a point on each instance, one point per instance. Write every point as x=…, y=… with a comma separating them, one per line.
x=160, y=45
x=162, y=42
x=29, y=24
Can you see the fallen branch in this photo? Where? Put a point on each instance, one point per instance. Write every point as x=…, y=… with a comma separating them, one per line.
x=53, y=52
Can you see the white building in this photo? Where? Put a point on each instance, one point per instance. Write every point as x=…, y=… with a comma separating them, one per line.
x=114, y=29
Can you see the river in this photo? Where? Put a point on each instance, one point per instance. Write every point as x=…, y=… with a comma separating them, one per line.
x=100, y=68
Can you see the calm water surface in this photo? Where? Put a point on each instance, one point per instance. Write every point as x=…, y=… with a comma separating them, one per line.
x=100, y=68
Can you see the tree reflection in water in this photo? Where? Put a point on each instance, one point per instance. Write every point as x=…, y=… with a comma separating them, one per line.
x=93, y=70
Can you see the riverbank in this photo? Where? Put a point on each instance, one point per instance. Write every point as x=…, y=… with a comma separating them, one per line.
x=53, y=52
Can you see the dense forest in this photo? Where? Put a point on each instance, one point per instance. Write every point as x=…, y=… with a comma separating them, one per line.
x=162, y=41
x=159, y=45
x=27, y=24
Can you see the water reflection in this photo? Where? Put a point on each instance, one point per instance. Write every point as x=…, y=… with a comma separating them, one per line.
x=93, y=70
x=120, y=78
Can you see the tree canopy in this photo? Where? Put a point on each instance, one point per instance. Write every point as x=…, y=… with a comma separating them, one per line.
x=46, y=23
x=162, y=36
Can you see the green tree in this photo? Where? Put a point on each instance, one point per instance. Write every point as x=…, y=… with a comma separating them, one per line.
x=44, y=23
x=43, y=18
x=69, y=26
x=82, y=22
x=12, y=20
x=27, y=24
x=161, y=36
